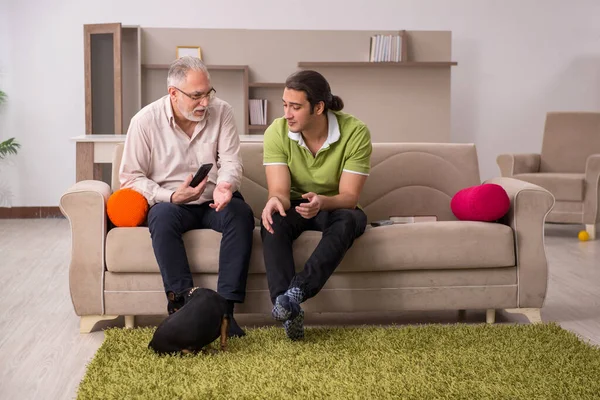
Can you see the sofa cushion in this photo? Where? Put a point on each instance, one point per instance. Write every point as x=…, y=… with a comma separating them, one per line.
x=564, y=187
x=427, y=245
x=130, y=250
x=431, y=245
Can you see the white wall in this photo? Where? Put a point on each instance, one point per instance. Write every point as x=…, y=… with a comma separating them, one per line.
x=6, y=168
x=517, y=60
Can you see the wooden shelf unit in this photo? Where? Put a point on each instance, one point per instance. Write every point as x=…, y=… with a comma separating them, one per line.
x=125, y=68
x=418, y=84
x=265, y=89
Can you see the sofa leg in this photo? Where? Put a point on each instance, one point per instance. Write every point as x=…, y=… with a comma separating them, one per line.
x=87, y=322
x=462, y=315
x=129, y=321
x=591, y=230
x=490, y=316
x=533, y=314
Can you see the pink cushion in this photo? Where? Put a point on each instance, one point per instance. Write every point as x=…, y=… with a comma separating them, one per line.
x=488, y=202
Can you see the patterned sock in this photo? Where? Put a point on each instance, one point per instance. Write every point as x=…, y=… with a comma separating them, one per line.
x=285, y=308
x=294, y=327
x=295, y=294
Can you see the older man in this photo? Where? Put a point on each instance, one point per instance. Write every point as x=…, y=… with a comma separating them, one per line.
x=167, y=141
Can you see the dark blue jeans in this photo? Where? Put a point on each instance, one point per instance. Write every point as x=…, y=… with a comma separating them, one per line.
x=168, y=222
x=339, y=227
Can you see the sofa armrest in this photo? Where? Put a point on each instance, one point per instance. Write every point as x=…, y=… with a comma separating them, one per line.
x=529, y=206
x=84, y=205
x=591, y=216
x=513, y=164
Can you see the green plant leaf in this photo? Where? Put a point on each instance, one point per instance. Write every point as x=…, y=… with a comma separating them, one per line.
x=8, y=147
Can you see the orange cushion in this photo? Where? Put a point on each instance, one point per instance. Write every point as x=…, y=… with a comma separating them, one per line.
x=126, y=207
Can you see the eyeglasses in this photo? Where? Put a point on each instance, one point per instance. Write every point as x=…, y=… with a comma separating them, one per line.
x=200, y=96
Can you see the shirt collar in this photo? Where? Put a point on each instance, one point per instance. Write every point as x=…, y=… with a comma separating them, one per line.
x=169, y=109
x=333, y=133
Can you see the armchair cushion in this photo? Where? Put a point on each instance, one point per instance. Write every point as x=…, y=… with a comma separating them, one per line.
x=487, y=202
x=127, y=208
x=564, y=187
x=513, y=164
x=569, y=139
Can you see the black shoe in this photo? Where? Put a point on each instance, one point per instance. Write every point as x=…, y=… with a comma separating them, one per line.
x=234, y=328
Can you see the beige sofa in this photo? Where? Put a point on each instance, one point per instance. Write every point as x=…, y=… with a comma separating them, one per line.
x=568, y=166
x=443, y=265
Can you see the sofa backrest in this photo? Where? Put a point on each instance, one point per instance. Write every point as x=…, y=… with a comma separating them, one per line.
x=407, y=179
x=569, y=139
x=116, y=164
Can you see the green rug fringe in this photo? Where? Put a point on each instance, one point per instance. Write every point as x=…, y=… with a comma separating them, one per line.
x=459, y=361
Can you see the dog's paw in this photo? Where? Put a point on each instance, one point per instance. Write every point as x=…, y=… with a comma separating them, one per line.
x=209, y=351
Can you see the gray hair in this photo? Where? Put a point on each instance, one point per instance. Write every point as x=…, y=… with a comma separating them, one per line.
x=180, y=67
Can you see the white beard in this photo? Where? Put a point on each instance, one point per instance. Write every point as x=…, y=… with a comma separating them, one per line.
x=189, y=115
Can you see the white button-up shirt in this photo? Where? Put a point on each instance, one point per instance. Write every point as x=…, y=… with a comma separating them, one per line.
x=159, y=155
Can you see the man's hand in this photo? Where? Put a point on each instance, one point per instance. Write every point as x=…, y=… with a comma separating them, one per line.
x=274, y=204
x=312, y=208
x=221, y=196
x=185, y=193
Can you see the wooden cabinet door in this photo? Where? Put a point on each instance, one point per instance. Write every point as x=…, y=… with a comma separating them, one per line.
x=103, y=79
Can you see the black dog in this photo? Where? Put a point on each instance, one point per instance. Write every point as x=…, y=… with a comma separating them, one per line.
x=197, y=324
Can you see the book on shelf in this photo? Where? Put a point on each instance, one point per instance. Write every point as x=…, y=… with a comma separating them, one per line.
x=258, y=111
x=385, y=48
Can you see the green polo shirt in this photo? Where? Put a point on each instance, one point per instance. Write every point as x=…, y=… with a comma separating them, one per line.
x=347, y=149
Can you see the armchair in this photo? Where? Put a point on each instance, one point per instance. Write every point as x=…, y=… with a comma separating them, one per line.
x=568, y=167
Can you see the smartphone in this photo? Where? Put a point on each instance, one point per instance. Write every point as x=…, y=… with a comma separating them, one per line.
x=200, y=174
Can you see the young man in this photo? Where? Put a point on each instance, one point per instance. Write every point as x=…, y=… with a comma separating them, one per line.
x=317, y=160
x=167, y=142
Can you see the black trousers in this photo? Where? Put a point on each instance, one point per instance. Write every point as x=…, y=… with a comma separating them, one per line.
x=168, y=222
x=339, y=227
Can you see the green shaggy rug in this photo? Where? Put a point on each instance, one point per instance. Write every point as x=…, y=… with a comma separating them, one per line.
x=411, y=362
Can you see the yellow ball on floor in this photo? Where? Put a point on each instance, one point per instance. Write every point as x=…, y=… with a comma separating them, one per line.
x=583, y=236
